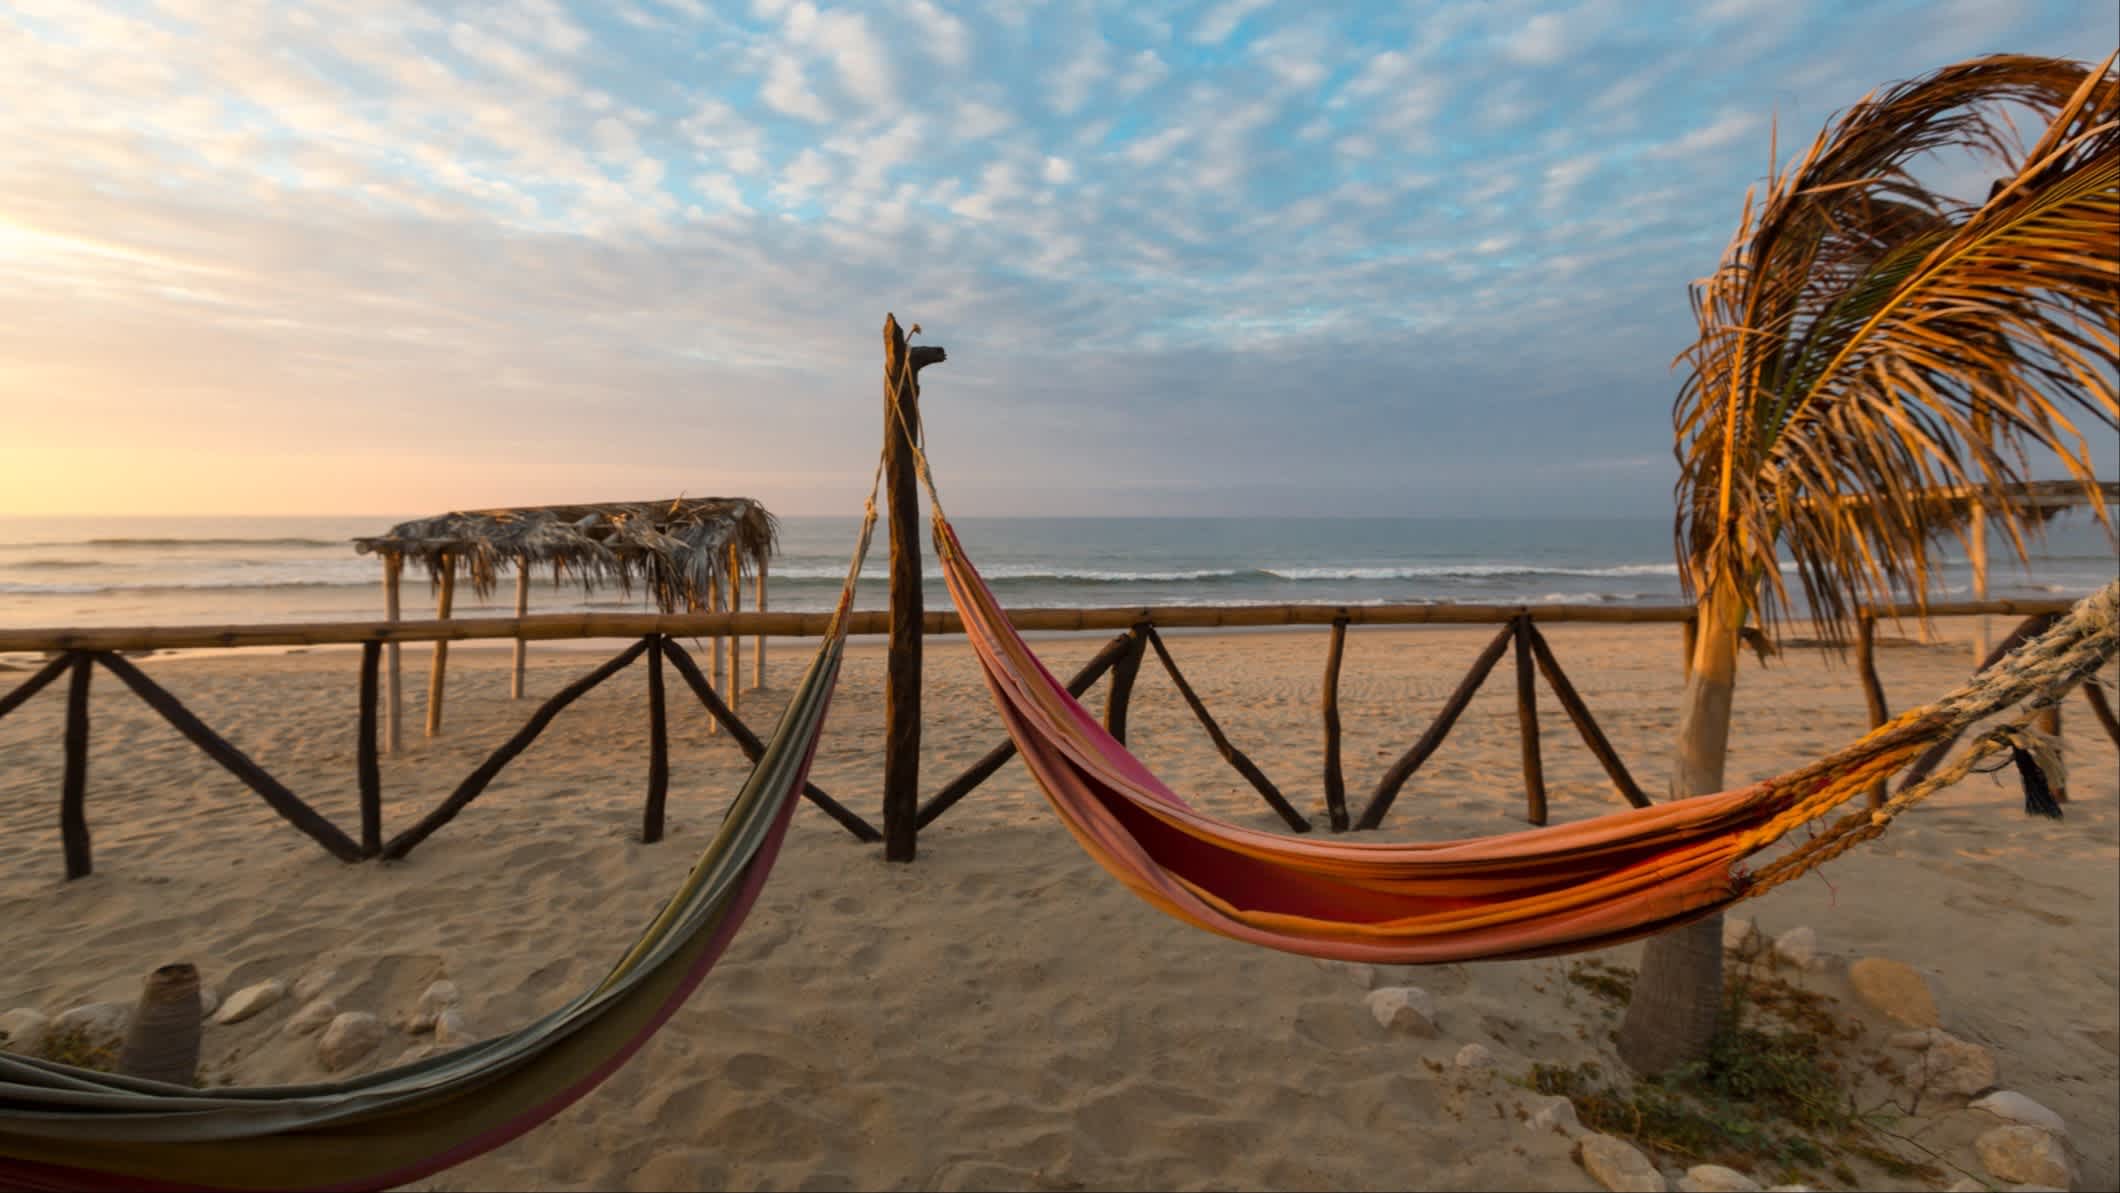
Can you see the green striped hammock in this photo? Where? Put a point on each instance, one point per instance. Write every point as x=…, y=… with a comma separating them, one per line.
x=68, y=1128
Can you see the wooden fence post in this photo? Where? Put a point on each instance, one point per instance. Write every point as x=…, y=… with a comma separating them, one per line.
x=1120, y=695
x=1527, y=722
x=758, y=644
x=370, y=774
x=651, y=823
x=73, y=790
x=901, y=699
x=735, y=640
x=1335, y=779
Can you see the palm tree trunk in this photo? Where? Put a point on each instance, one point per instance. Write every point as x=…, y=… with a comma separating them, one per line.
x=1678, y=995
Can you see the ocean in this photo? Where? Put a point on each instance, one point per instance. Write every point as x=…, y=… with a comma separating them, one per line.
x=81, y=571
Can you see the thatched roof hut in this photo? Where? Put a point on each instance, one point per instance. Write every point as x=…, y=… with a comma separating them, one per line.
x=678, y=549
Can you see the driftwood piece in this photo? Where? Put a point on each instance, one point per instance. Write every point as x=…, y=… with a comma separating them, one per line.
x=982, y=770
x=1387, y=788
x=221, y=750
x=1585, y=724
x=753, y=748
x=73, y=786
x=1230, y=754
x=162, y=1041
x=368, y=769
x=651, y=818
x=1120, y=695
x=477, y=780
x=35, y=683
x=2031, y=627
x=1335, y=778
x=901, y=698
x=1527, y=723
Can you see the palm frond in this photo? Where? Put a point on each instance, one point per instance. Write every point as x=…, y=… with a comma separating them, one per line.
x=1865, y=338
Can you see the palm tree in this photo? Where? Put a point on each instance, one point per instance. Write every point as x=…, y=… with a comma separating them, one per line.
x=1863, y=338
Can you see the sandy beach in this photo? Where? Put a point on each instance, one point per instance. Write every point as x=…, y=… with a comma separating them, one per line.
x=1001, y=1014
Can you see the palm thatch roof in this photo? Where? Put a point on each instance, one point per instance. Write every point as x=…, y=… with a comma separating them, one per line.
x=678, y=549
x=2041, y=501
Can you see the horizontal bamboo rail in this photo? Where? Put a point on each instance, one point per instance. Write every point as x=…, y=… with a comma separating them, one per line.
x=553, y=626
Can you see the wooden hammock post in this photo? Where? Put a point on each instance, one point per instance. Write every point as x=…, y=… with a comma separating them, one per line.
x=1335, y=780
x=901, y=699
x=1387, y=788
x=394, y=714
x=1120, y=695
x=651, y=823
x=2049, y=722
x=370, y=774
x=1872, y=687
x=73, y=789
x=1527, y=722
x=2031, y=627
x=735, y=640
x=758, y=644
x=437, y=675
x=522, y=609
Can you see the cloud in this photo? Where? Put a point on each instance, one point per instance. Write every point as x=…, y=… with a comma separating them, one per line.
x=1223, y=19
x=787, y=89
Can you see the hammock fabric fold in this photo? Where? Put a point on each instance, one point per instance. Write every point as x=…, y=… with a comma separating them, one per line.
x=1548, y=890
x=68, y=1128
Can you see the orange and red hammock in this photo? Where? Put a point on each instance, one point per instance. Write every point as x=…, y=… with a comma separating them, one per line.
x=1546, y=890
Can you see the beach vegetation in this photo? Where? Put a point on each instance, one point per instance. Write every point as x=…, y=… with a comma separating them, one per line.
x=1866, y=339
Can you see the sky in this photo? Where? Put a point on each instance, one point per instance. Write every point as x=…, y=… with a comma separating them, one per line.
x=1233, y=257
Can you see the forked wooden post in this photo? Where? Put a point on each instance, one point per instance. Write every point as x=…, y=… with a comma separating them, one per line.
x=369, y=773
x=437, y=676
x=1120, y=695
x=522, y=609
x=735, y=640
x=1335, y=779
x=901, y=697
x=394, y=695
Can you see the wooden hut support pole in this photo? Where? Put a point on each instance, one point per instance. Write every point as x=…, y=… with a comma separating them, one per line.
x=720, y=657
x=735, y=640
x=1585, y=724
x=1230, y=754
x=984, y=769
x=901, y=698
x=522, y=609
x=1387, y=788
x=1527, y=722
x=2094, y=695
x=369, y=771
x=1121, y=694
x=73, y=788
x=236, y=762
x=1872, y=688
x=1335, y=779
x=394, y=694
x=651, y=821
x=758, y=644
x=35, y=683
x=477, y=780
x=437, y=674
x=2049, y=722
x=752, y=747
